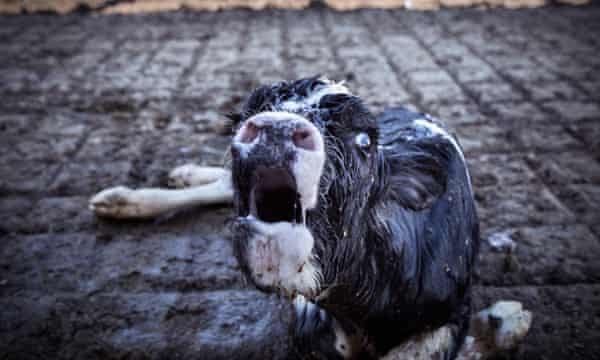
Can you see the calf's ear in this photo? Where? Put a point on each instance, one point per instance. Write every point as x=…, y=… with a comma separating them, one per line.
x=418, y=175
x=232, y=122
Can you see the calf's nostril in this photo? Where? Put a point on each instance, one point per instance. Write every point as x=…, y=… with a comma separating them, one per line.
x=249, y=133
x=303, y=139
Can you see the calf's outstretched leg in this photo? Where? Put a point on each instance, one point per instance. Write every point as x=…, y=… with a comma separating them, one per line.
x=124, y=203
x=190, y=175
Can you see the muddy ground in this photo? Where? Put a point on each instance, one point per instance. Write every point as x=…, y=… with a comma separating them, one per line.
x=90, y=101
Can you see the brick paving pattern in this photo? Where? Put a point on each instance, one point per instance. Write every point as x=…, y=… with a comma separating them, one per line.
x=90, y=101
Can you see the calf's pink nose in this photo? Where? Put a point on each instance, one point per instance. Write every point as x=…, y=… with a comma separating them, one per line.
x=303, y=137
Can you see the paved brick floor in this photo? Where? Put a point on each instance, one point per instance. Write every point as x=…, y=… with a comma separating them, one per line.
x=90, y=101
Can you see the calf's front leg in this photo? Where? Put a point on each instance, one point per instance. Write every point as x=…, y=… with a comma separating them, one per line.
x=190, y=175
x=124, y=203
x=497, y=329
x=319, y=335
x=492, y=331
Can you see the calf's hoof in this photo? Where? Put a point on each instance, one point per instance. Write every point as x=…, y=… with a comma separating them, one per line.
x=116, y=202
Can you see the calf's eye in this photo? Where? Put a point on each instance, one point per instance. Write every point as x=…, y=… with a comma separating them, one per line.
x=362, y=140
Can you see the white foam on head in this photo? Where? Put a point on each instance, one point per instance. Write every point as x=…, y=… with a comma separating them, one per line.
x=274, y=116
x=301, y=103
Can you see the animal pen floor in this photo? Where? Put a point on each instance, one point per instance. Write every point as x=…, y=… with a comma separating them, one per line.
x=89, y=101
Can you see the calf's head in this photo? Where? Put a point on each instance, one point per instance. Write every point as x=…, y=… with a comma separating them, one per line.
x=279, y=159
x=304, y=162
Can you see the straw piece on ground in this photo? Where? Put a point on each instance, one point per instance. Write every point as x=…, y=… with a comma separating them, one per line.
x=148, y=6
x=422, y=4
x=59, y=6
x=574, y=2
x=10, y=7
x=460, y=3
x=515, y=4
x=345, y=5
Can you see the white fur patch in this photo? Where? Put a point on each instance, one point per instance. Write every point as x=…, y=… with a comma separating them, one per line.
x=265, y=117
x=298, y=103
x=280, y=255
x=307, y=170
x=342, y=342
x=510, y=323
x=425, y=346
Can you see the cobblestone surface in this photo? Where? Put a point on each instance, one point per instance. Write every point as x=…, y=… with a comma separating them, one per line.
x=92, y=101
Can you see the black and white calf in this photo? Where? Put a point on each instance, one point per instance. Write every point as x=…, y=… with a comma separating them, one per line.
x=370, y=222
x=367, y=223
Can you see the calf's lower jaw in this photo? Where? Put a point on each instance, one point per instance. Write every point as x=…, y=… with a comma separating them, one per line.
x=278, y=249
x=280, y=257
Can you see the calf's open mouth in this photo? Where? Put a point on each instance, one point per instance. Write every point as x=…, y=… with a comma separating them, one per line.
x=274, y=196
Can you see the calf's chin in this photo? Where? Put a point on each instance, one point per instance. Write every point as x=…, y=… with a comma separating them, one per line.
x=280, y=258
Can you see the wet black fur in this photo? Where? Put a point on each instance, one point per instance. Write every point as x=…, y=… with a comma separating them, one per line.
x=396, y=230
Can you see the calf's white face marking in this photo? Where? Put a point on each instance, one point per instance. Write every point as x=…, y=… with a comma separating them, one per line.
x=280, y=253
x=308, y=166
x=307, y=170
